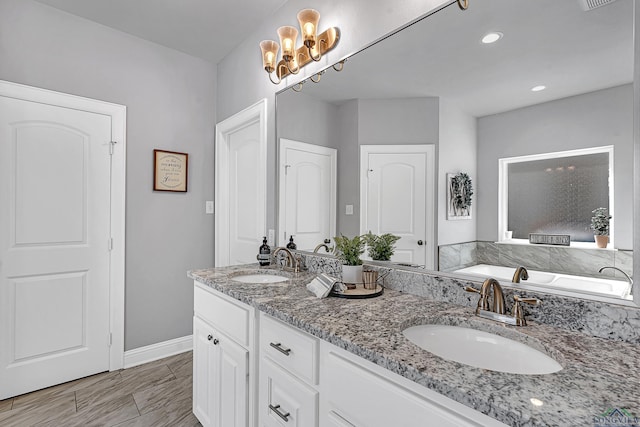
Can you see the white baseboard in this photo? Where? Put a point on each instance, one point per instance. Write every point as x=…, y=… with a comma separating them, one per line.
x=160, y=350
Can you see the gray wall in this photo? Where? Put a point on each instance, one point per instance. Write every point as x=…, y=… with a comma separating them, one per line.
x=170, y=105
x=242, y=80
x=457, y=152
x=398, y=121
x=307, y=119
x=594, y=119
x=348, y=169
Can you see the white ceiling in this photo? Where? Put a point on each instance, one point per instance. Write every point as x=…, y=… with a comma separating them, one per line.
x=550, y=42
x=203, y=28
x=546, y=42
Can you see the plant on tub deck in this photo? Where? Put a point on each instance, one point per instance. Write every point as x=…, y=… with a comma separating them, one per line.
x=381, y=247
x=600, y=222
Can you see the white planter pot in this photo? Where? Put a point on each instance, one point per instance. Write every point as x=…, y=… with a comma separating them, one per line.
x=352, y=274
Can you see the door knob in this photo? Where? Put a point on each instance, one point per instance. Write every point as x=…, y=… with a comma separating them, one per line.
x=216, y=341
x=420, y=243
x=209, y=338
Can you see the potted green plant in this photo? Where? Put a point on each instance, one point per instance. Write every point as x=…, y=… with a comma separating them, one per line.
x=348, y=251
x=600, y=222
x=381, y=247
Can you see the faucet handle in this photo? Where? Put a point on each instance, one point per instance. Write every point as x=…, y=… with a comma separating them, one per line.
x=518, y=314
x=532, y=301
x=483, y=303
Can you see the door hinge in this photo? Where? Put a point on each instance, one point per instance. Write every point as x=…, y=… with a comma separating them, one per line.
x=112, y=145
x=110, y=244
x=110, y=339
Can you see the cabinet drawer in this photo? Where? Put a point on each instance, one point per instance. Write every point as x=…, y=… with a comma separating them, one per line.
x=228, y=316
x=285, y=400
x=294, y=350
x=357, y=392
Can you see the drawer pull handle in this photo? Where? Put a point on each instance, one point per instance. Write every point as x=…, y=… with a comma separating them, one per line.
x=278, y=347
x=285, y=417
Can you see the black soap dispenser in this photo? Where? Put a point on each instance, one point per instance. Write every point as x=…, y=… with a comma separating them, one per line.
x=291, y=244
x=264, y=255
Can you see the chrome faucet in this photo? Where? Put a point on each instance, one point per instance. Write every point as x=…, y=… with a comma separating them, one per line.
x=292, y=262
x=497, y=311
x=520, y=274
x=322, y=245
x=629, y=279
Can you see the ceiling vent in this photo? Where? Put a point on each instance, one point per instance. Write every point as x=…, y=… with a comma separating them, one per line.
x=593, y=4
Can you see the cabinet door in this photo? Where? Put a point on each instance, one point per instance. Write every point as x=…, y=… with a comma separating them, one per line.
x=220, y=378
x=284, y=400
x=202, y=371
x=230, y=382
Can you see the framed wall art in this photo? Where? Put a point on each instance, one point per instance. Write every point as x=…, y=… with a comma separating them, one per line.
x=459, y=192
x=170, y=171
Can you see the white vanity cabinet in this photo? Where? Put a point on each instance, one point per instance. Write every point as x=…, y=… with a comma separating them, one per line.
x=301, y=381
x=222, y=360
x=356, y=392
x=289, y=361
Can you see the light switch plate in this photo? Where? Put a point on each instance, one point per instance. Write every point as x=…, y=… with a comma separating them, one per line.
x=209, y=206
x=348, y=210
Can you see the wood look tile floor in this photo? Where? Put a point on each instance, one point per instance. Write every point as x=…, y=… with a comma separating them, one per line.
x=156, y=394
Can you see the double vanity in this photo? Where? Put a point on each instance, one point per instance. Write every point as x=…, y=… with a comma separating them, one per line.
x=267, y=352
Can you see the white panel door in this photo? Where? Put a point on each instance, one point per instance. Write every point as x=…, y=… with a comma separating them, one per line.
x=397, y=198
x=54, y=244
x=246, y=224
x=241, y=186
x=307, y=204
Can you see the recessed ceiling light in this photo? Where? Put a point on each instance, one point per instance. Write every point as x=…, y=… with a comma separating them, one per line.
x=538, y=88
x=492, y=37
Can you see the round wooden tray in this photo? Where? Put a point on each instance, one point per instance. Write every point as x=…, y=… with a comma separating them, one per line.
x=359, y=292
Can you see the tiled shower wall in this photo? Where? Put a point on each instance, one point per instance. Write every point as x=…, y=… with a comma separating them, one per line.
x=554, y=259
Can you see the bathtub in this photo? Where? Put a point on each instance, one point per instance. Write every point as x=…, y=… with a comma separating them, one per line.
x=565, y=282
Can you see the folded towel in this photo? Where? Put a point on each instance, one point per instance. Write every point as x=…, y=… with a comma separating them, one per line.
x=321, y=286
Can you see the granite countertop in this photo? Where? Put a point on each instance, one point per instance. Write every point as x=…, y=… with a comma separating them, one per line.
x=597, y=375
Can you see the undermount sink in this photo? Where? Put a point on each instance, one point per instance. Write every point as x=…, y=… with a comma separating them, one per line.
x=481, y=349
x=260, y=278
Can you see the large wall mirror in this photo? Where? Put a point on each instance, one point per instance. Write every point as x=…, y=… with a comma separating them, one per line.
x=558, y=80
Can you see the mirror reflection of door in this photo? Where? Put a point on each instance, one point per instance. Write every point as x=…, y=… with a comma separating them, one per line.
x=307, y=196
x=397, y=197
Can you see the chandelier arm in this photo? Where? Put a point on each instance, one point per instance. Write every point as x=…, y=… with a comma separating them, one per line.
x=273, y=81
x=315, y=59
x=297, y=70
